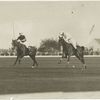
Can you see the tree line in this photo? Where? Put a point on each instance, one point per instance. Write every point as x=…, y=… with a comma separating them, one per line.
x=48, y=46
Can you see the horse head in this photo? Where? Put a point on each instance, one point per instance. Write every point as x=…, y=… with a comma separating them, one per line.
x=61, y=40
x=14, y=43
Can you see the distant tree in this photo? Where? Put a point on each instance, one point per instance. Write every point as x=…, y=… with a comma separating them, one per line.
x=48, y=45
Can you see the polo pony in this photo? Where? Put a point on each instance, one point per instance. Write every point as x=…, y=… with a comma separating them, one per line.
x=69, y=50
x=22, y=51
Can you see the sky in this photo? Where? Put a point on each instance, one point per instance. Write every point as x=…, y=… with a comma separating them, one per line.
x=39, y=20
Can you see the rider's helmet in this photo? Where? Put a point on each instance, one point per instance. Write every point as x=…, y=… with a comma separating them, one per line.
x=20, y=33
x=61, y=34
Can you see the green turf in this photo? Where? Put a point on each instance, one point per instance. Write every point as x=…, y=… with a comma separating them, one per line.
x=49, y=76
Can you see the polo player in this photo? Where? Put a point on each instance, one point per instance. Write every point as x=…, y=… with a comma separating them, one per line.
x=22, y=39
x=68, y=38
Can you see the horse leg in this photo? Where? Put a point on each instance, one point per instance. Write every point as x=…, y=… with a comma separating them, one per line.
x=34, y=61
x=16, y=60
x=19, y=60
x=82, y=60
x=62, y=58
x=68, y=59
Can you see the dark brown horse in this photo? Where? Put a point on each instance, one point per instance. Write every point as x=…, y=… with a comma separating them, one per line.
x=22, y=51
x=69, y=50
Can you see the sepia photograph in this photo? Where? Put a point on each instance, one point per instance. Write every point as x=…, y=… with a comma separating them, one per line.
x=49, y=50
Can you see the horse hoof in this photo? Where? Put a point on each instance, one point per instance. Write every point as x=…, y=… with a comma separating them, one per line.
x=73, y=66
x=67, y=62
x=13, y=64
x=85, y=67
x=33, y=66
x=59, y=62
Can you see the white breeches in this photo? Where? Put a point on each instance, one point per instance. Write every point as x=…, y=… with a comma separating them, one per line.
x=73, y=42
x=25, y=43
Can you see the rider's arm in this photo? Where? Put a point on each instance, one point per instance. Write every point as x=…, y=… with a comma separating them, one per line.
x=18, y=38
x=24, y=38
x=68, y=39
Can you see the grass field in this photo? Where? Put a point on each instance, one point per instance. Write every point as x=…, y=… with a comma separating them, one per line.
x=49, y=76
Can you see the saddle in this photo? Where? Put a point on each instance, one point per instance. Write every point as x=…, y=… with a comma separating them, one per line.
x=24, y=49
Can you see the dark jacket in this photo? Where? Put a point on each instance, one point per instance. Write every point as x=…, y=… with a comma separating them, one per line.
x=22, y=38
